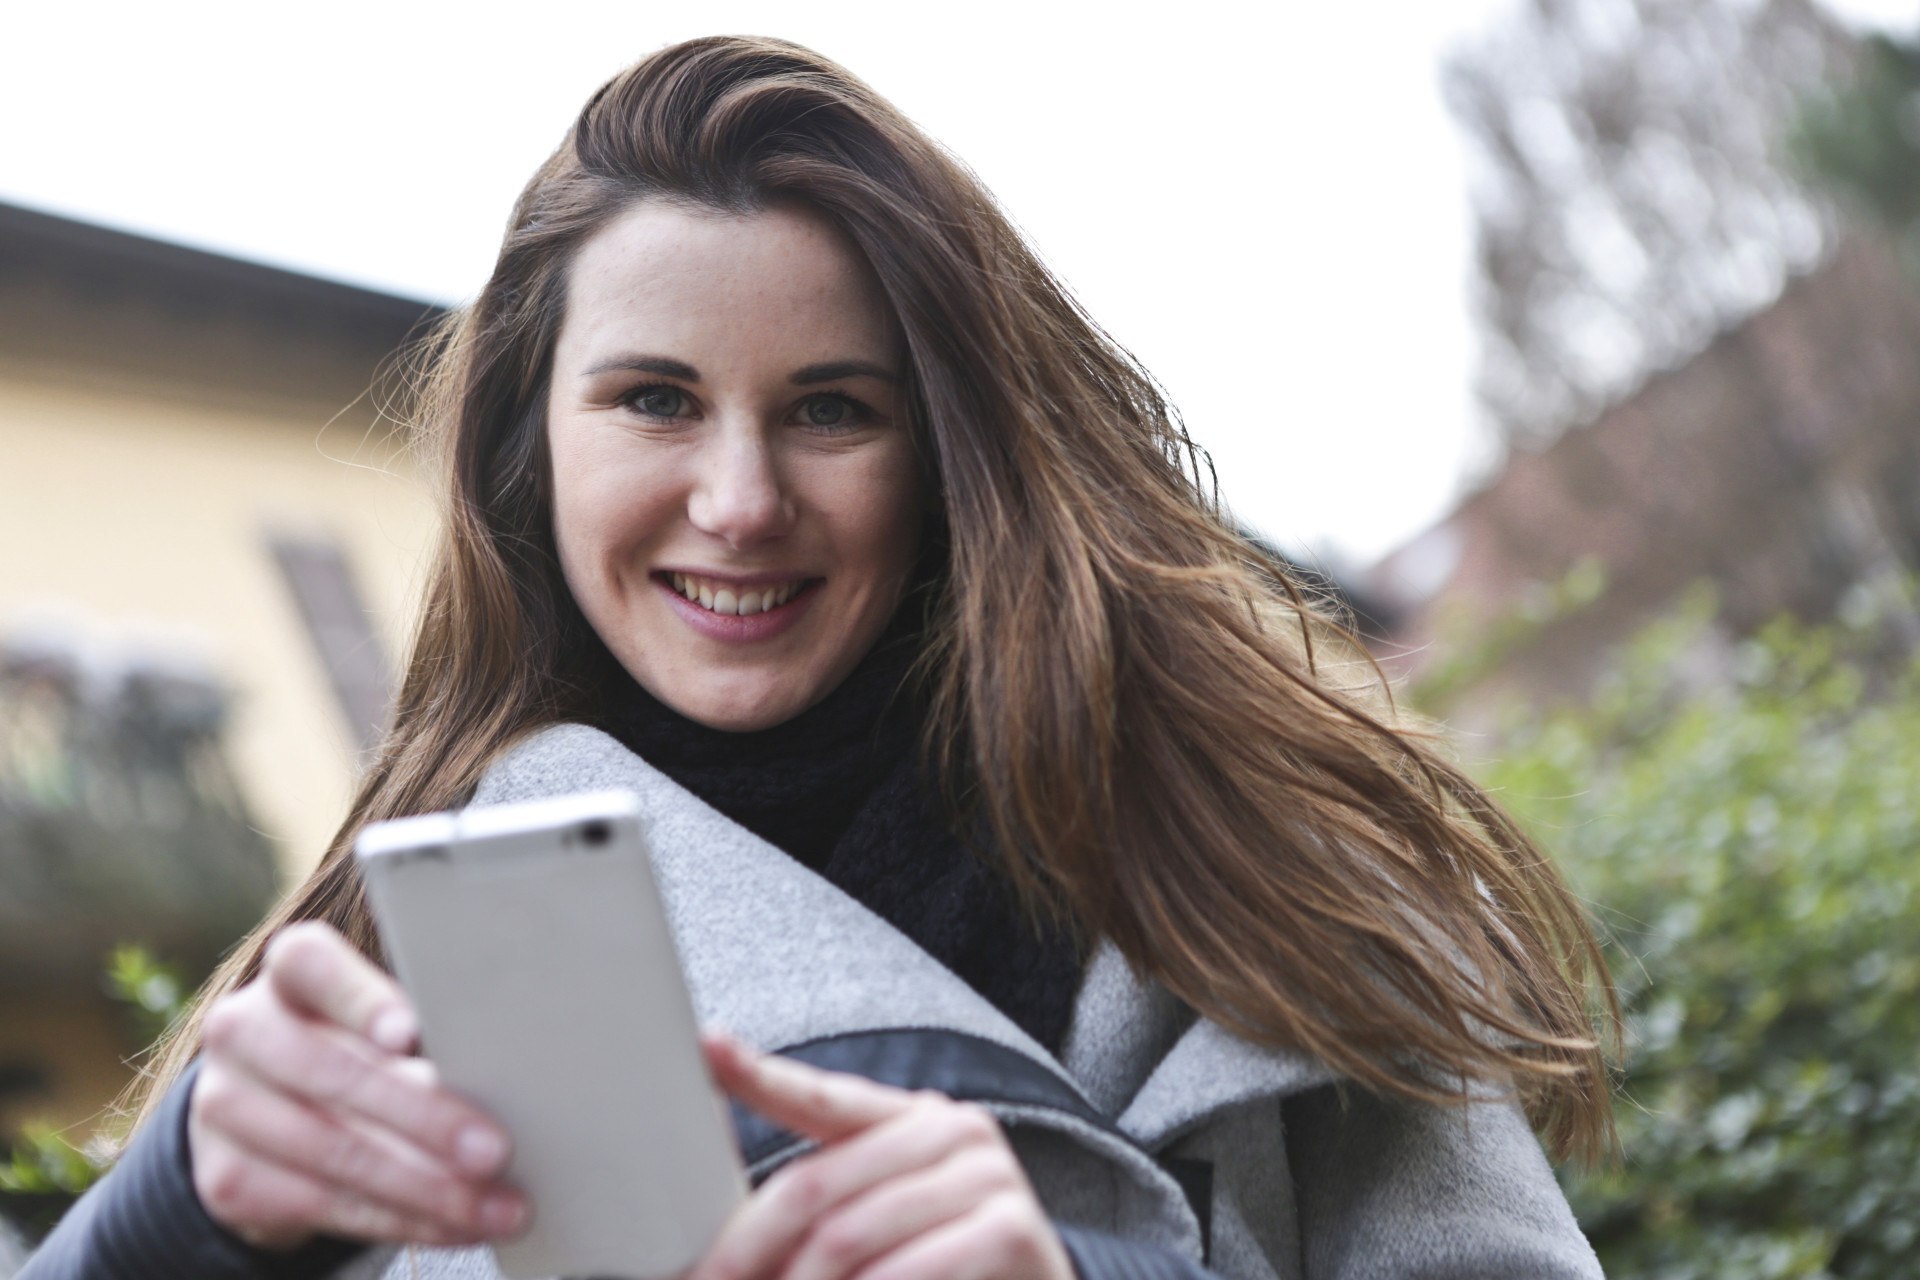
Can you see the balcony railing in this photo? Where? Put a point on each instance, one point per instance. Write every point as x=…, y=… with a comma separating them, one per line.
x=120, y=818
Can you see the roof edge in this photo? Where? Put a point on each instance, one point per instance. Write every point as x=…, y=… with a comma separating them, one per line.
x=46, y=244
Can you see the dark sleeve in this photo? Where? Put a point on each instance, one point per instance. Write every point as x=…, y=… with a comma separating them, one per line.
x=143, y=1221
x=1099, y=1256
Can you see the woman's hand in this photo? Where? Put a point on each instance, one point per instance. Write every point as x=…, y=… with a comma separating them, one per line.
x=308, y=1117
x=904, y=1185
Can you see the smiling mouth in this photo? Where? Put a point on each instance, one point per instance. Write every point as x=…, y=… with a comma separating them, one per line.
x=730, y=599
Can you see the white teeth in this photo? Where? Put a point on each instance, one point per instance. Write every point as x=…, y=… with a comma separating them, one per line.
x=731, y=601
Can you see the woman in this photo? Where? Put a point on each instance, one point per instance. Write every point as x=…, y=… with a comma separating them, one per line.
x=774, y=455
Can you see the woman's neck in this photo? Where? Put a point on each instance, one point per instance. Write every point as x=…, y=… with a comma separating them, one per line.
x=796, y=784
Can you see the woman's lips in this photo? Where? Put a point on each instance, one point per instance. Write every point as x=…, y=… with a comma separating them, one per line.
x=743, y=628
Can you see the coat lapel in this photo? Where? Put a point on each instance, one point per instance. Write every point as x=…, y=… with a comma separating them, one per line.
x=1161, y=1071
x=786, y=960
x=783, y=958
x=780, y=956
x=772, y=951
x=1210, y=1071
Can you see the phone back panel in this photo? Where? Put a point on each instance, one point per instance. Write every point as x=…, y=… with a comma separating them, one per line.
x=532, y=940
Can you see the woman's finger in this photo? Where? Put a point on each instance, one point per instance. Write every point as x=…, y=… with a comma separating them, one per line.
x=272, y=1206
x=822, y=1105
x=314, y=969
x=777, y=1218
x=335, y=1070
x=889, y=1215
x=365, y=1162
x=1006, y=1237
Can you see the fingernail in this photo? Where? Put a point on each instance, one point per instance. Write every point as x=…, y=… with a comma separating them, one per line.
x=502, y=1214
x=394, y=1030
x=479, y=1149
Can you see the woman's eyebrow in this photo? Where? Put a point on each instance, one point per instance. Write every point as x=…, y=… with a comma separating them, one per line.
x=665, y=366
x=833, y=370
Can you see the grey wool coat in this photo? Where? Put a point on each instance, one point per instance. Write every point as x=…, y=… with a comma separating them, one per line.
x=1151, y=1126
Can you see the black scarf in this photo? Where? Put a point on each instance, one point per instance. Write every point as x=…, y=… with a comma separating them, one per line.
x=843, y=788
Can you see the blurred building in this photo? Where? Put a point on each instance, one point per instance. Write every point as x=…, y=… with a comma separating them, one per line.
x=1781, y=464
x=210, y=536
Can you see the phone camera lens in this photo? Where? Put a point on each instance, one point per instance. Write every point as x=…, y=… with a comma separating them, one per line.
x=596, y=833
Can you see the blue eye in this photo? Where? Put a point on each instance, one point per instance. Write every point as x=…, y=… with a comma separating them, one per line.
x=826, y=412
x=833, y=413
x=659, y=401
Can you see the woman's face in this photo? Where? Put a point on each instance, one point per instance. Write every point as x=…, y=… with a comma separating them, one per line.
x=735, y=496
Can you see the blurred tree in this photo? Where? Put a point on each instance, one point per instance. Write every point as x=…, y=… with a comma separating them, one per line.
x=1629, y=193
x=47, y=1168
x=1749, y=846
x=1862, y=138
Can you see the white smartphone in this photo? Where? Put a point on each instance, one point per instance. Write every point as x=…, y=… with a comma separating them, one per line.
x=533, y=944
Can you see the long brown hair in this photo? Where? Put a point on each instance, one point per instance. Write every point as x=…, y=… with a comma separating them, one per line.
x=1130, y=691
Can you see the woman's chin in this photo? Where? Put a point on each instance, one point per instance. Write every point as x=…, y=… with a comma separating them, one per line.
x=734, y=709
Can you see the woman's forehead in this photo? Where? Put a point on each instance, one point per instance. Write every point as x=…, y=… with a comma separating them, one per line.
x=681, y=276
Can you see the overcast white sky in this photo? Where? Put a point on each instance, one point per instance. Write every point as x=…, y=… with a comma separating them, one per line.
x=1266, y=203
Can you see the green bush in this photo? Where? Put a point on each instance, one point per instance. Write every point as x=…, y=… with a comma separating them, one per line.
x=1752, y=847
x=47, y=1167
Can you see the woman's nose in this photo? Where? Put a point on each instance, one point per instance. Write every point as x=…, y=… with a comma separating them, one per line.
x=739, y=496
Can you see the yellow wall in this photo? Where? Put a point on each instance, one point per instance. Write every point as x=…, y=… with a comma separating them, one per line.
x=145, y=453
x=148, y=446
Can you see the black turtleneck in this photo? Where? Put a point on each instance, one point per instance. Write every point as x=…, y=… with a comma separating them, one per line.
x=844, y=789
